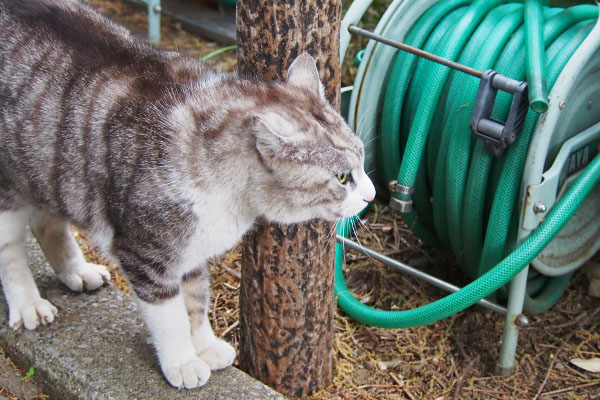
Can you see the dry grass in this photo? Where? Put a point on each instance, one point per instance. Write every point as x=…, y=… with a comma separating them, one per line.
x=451, y=359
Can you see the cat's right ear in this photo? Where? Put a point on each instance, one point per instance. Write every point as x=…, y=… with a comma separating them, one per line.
x=304, y=73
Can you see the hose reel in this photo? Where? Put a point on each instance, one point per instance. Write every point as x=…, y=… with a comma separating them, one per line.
x=553, y=153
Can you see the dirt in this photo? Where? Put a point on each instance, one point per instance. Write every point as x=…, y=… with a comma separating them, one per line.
x=454, y=358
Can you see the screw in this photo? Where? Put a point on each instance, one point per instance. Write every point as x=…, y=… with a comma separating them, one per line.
x=157, y=8
x=590, y=104
x=539, y=207
x=522, y=321
x=562, y=105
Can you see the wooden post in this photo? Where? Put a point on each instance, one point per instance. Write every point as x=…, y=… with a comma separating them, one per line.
x=286, y=296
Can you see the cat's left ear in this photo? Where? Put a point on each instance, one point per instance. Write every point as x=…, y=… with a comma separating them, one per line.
x=275, y=136
x=303, y=73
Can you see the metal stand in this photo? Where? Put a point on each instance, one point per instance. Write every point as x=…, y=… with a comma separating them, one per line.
x=154, y=11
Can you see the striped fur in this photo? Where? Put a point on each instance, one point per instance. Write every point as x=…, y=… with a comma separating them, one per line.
x=166, y=162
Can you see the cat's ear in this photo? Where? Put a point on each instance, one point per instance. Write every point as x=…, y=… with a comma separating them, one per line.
x=275, y=136
x=303, y=73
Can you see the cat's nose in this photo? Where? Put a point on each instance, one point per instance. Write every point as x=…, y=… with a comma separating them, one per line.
x=369, y=193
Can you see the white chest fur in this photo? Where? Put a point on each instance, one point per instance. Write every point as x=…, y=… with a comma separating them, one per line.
x=222, y=222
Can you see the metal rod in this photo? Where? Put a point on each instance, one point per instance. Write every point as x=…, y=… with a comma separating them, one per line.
x=418, y=52
x=407, y=269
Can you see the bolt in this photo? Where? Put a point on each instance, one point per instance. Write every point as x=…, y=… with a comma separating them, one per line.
x=590, y=104
x=157, y=8
x=522, y=321
x=562, y=105
x=539, y=207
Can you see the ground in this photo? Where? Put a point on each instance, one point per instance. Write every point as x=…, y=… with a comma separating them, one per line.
x=451, y=359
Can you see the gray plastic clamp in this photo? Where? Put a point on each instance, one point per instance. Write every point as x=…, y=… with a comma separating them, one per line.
x=495, y=134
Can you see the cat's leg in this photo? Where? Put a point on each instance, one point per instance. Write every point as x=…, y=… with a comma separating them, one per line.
x=169, y=328
x=216, y=352
x=64, y=255
x=163, y=309
x=25, y=305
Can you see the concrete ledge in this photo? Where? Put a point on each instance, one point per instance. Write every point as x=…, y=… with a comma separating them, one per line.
x=98, y=348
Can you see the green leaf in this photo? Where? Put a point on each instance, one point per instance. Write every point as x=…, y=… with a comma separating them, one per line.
x=29, y=374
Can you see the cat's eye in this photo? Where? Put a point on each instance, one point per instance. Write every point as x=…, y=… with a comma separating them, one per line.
x=343, y=177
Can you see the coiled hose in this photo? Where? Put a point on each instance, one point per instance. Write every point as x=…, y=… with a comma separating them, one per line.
x=484, y=285
x=425, y=138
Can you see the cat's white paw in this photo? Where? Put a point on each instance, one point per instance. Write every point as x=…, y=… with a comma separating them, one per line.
x=31, y=313
x=219, y=355
x=88, y=275
x=189, y=375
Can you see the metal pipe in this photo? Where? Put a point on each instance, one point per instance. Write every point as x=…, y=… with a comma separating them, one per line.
x=154, y=11
x=407, y=269
x=418, y=52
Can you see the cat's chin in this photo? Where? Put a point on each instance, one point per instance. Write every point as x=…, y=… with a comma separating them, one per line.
x=331, y=216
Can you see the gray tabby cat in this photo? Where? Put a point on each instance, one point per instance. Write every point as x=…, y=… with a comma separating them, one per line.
x=164, y=161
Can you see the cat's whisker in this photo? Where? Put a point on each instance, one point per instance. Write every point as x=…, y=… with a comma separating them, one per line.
x=359, y=242
x=344, y=234
x=370, y=232
x=372, y=140
x=333, y=228
x=367, y=132
x=361, y=122
x=362, y=133
x=331, y=233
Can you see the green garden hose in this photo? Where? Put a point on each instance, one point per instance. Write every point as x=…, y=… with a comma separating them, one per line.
x=536, y=60
x=464, y=198
x=484, y=285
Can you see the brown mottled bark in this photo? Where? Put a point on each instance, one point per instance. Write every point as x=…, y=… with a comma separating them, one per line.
x=270, y=34
x=286, y=297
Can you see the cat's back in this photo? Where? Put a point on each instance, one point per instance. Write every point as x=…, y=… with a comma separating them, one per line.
x=79, y=97
x=37, y=31
x=68, y=26
x=60, y=59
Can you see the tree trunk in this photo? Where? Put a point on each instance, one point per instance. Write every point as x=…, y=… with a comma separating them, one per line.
x=286, y=296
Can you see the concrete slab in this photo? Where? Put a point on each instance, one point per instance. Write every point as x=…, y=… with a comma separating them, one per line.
x=98, y=348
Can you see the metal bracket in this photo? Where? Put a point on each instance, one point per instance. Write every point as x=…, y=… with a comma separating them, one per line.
x=495, y=134
x=402, y=206
x=574, y=155
x=400, y=189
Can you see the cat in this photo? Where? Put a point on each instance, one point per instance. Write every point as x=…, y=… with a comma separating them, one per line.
x=165, y=162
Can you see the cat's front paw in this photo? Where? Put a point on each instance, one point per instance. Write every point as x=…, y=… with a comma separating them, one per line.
x=189, y=375
x=88, y=275
x=31, y=313
x=219, y=355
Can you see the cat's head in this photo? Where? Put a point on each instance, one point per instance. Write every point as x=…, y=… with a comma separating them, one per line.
x=313, y=162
